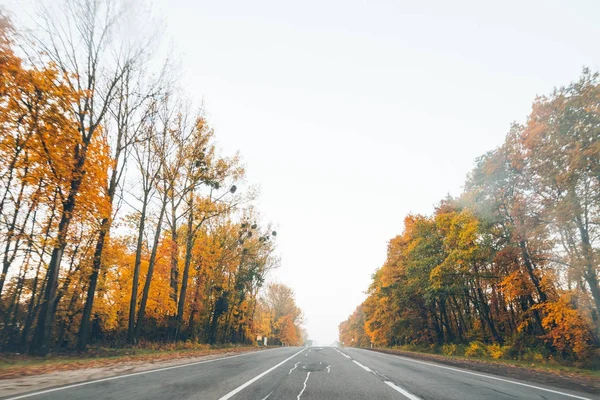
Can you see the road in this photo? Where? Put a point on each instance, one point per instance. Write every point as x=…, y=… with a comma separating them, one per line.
x=308, y=374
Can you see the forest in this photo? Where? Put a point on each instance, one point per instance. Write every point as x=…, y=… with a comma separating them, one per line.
x=121, y=221
x=510, y=267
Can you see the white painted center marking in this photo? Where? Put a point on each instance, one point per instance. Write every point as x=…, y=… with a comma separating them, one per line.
x=304, y=387
x=295, y=366
x=342, y=353
x=488, y=377
x=362, y=366
x=257, y=377
x=400, y=390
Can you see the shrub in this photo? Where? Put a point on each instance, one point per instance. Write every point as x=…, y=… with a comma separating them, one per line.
x=495, y=351
x=567, y=331
x=533, y=355
x=476, y=349
x=449, y=349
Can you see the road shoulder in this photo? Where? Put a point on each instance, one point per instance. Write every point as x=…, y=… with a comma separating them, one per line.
x=35, y=382
x=588, y=384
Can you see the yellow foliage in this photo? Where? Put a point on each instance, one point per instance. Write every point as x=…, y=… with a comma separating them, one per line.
x=566, y=329
x=495, y=350
x=476, y=349
x=449, y=349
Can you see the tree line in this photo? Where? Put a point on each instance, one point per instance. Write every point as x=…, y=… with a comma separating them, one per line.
x=120, y=220
x=511, y=266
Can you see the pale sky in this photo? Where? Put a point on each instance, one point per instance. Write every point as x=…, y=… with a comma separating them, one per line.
x=350, y=115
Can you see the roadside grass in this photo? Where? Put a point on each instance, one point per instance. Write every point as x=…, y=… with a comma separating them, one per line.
x=15, y=364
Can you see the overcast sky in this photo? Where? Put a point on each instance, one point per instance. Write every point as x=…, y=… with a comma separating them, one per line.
x=350, y=115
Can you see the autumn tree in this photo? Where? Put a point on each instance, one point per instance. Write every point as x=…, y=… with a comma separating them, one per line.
x=560, y=156
x=352, y=331
x=120, y=220
x=135, y=102
x=210, y=191
x=79, y=38
x=287, y=317
x=512, y=262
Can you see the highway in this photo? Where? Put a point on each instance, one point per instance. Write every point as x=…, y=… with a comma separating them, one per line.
x=308, y=374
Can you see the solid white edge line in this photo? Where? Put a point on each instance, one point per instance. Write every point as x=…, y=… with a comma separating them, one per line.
x=342, y=354
x=112, y=378
x=362, y=366
x=251, y=381
x=397, y=388
x=402, y=391
x=487, y=376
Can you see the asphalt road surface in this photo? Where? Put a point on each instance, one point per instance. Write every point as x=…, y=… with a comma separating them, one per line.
x=308, y=374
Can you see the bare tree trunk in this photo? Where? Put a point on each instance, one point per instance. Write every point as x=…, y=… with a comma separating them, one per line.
x=142, y=311
x=529, y=266
x=136, y=271
x=186, y=267
x=589, y=273
x=84, y=328
x=41, y=339
x=32, y=308
x=6, y=261
x=195, y=301
x=174, y=255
